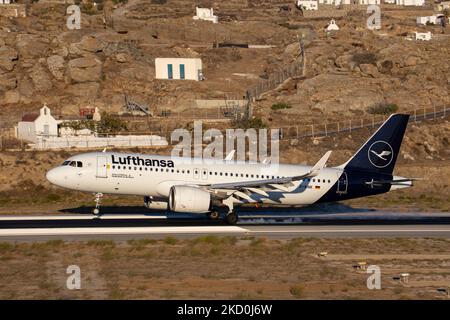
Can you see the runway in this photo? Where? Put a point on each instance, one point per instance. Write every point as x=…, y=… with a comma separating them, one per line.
x=122, y=227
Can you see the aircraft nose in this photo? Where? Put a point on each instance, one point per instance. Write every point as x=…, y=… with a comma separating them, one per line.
x=52, y=176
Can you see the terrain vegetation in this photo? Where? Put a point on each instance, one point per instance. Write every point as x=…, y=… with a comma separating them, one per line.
x=212, y=267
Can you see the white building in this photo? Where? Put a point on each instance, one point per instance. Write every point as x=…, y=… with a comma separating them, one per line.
x=205, y=14
x=6, y=1
x=34, y=125
x=179, y=68
x=308, y=4
x=430, y=19
x=424, y=36
x=443, y=5
x=332, y=26
x=369, y=2
x=390, y=1
x=410, y=2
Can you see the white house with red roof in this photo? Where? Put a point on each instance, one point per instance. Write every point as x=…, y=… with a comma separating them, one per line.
x=34, y=125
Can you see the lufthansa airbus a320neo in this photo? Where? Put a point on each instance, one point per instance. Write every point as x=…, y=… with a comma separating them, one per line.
x=198, y=186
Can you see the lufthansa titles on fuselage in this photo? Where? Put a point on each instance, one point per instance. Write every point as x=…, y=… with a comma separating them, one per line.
x=138, y=161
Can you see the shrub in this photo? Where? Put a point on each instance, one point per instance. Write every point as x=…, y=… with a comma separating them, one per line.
x=255, y=123
x=170, y=240
x=297, y=291
x=280, y=105
x=364, y=58
x=383, y=108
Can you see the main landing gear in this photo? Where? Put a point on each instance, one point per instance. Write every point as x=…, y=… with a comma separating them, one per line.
x=213, y=215
x=231, y=218
x=98, y=202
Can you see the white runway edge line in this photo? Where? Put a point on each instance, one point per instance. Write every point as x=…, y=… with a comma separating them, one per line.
x=351, y=231
x=118, y=230
x=80, y=217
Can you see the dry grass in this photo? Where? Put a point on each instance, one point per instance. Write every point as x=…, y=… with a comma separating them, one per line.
x=224, y=267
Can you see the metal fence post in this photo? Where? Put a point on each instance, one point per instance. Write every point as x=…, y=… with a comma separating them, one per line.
x=312, y=130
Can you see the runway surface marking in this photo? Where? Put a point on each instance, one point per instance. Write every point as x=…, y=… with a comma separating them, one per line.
x=119, y=230
x=222, y=230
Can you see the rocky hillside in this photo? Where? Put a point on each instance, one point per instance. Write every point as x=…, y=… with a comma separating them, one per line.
x=113, y=53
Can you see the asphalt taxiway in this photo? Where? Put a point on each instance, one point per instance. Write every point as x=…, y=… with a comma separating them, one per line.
x=121, y=227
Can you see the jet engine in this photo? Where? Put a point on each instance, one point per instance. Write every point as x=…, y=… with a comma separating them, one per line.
x=189, y=199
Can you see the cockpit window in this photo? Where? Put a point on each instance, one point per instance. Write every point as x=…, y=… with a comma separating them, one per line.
x=65, y=163
x=73, y=164
x=79, y=164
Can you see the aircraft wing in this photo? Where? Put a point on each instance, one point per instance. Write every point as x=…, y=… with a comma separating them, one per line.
x=283, y=184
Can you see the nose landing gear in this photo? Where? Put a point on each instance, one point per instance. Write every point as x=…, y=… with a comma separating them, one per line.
x=98, y=202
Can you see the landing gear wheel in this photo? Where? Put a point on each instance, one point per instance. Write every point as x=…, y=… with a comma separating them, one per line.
x=231, y=218
x=213, y=215
x=96, y=211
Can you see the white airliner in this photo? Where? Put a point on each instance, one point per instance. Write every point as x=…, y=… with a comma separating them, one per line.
x=197, y=186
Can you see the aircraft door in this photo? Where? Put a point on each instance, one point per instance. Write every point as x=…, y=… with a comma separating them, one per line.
x=102, y=170
x=342, y=183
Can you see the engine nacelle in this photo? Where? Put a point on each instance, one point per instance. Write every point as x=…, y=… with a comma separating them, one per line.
x=189, y=199
x=156, y=205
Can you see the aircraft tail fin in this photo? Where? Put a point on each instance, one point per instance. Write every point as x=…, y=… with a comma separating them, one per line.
x=380, y=151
